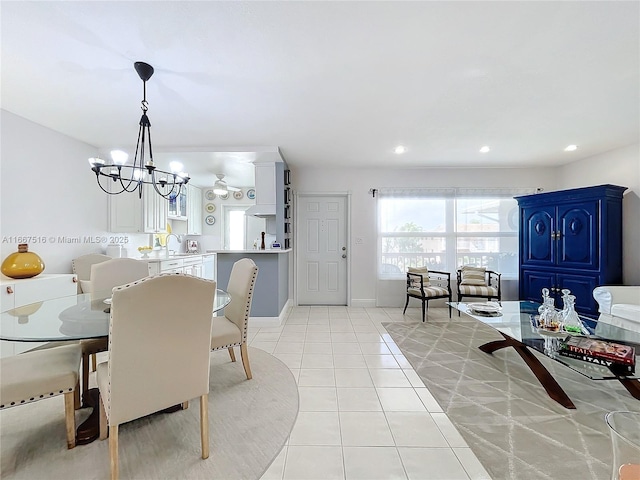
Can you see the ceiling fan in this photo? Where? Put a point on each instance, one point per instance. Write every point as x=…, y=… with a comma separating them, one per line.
x=220, y=187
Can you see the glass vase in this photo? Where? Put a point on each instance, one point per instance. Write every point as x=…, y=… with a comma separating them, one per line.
x=22, y=264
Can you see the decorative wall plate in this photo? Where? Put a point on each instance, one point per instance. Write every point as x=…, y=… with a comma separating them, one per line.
x=251, y=194
x=209, y=195
x=210, y=207
x=224, y=197
x=238, y=195
x=210, y=220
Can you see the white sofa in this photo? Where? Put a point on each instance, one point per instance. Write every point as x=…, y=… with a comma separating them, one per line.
x=619, y=305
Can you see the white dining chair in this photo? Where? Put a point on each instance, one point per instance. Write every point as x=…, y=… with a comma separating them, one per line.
x=230, y=330
x=41, y=374
x=158, y=353
x=104, y=277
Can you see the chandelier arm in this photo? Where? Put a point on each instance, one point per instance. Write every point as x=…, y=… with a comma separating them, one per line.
x=102, y=188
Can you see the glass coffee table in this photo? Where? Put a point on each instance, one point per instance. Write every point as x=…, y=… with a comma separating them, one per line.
x=516, y=324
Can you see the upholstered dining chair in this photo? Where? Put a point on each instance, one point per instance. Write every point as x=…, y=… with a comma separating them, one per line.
x=230, y=330
x=478, y=282
x=104, y=277
x=81, y=266
x=425, y=285
x=159, y=344
x=40, y=374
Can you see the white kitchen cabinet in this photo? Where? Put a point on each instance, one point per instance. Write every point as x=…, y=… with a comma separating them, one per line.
x=209, y=266
x=202, y=266
x=130, y=214
x=194, y=210
x=24, y=294
x=173, y=265
x=265, y=175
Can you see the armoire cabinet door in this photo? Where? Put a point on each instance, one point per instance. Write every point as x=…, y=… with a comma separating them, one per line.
x=538, y=242
x=578, y=243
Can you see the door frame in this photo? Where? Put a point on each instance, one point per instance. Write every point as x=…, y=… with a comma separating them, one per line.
x=294, y=265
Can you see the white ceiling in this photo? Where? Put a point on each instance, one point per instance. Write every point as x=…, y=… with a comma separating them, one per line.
x=332, y=83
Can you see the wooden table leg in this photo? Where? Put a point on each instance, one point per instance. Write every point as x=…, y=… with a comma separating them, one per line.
x=89, y=430
x=632, y=386
x=549, y=383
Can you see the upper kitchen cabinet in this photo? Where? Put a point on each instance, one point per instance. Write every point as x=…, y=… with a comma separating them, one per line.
x=571, y=239
x=273, y=200
x=194, y=210
x=130, y=214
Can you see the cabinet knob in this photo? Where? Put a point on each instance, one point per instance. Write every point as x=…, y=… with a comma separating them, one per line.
x=75, y=279
x=9, y=290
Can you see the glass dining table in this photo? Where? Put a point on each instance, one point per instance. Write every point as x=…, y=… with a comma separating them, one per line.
x=67, y=319
x=75, y=317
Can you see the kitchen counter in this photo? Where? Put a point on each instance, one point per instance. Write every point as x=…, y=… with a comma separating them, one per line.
x=271, y=291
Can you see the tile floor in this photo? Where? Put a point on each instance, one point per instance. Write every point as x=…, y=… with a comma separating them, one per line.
x=364, y=413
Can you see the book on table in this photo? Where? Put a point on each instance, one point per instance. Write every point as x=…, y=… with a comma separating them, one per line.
x=620, y=358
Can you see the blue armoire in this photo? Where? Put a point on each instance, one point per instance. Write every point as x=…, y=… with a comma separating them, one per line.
x=571, y=239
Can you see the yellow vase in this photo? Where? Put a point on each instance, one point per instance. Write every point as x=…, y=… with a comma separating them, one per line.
x=22, y=264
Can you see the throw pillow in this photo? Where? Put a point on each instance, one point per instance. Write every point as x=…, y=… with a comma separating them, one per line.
x=423, y=272
x=473, y=276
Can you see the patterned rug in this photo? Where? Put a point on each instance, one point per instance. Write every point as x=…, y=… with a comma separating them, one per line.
x=249, y=422
x=503, y=412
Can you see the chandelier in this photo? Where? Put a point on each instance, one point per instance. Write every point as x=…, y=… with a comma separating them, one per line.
x=123, y=177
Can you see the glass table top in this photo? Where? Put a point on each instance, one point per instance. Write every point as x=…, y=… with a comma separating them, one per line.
x=75, y=317
x=516, y=320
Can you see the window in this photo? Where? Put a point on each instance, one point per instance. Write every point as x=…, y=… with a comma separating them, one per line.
x=445, y=230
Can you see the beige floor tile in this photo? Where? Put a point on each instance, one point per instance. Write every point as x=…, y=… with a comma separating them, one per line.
x=389, y=377
x=343, y=337
x=289, y=347
x=375, y=348
x=353, y=377
x=358, y=400
x=400, y=400
x=413, y=377
x=291, y=360
x=373, y=463
x=381, y=361
x=317, y=377
x=312, y=360
x=432, y=464
x=316, y=428
x=449, y=430
x=318, y=399
x=365, y=429
x=427, y=400
x=342, y=348
x=415, y=429
x=320, y=348
x=349, y=361
x=314, y=463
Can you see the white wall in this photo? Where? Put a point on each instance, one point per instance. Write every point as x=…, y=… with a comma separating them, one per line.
x=47, y=192
x=358, y=181
x=617, y=167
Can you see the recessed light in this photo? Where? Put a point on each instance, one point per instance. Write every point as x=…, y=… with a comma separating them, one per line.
x=571, y=148
x=400, y=149
x=485, y=149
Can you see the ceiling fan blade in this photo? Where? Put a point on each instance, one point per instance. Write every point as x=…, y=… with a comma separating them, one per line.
x=233, y=189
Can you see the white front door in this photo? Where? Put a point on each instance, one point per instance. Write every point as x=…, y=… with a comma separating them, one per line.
x=322, y=249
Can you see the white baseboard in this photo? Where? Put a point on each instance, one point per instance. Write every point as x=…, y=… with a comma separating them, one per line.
x=260, y=322
x=363, y=302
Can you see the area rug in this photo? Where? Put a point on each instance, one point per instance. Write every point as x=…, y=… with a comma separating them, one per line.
x=504, y=414
x=250, y=421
